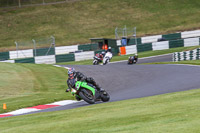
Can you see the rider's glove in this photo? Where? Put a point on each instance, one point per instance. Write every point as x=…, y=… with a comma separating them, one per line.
x=67, y=90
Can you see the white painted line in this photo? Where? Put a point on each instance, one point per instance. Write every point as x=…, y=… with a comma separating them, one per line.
x=61, y=66
x=184, y=65
x=64, y=102
x=22, y=111
x=28, y=110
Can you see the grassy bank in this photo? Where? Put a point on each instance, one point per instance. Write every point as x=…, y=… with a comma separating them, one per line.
x=24, y=85
x=140, y=55
x=76, y=22
x=169, y=113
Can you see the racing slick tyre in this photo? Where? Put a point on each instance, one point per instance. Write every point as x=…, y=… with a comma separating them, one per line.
x=105, y=96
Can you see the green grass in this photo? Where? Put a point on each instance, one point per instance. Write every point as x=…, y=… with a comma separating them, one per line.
x=169, y=113
x=140, y=55
x=25, y=85
x=76, y=22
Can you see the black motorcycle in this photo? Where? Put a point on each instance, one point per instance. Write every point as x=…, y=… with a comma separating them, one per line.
x=132, y=60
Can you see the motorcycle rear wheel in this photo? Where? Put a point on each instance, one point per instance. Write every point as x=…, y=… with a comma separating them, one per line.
x=105, y=97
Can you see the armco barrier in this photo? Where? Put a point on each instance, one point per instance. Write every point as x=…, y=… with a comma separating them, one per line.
x=21, y=54
x=173, y=36
x=49, y=59
x=150, y=39
x=4, y=56
x=84, y=55
x=131, y=49
x=88, y=47
x=26, y=60
x=65, y=58
x=44, y=51
x=144, y=47
x=188, y=34
x=132, y=41
x=176, y=43
x=65, y=49
x=160, y=45
x=191, y=42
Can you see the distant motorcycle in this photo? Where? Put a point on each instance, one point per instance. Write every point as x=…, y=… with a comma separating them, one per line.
x=96, y=60
x=132, y=60
x=107, y=58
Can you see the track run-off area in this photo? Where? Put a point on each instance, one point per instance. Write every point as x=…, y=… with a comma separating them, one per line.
x=123, y=81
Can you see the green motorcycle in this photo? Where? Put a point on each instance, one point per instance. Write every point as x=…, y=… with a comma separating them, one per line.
x=88, y=92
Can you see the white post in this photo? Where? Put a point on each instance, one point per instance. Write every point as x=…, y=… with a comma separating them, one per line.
x=34, y=43
x=19, y=3
x=16, y=48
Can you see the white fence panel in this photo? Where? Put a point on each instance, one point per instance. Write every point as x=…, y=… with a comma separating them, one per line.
x=131, y=49
x=149, y=39
x=160, y=45
x=50, y=59
x=84, y=55
x=191, y=42
x=21, y=54
x=188, y=34
x=8, y=61
x=66, y=49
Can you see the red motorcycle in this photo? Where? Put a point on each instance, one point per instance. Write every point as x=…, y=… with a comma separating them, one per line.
x=97, y=59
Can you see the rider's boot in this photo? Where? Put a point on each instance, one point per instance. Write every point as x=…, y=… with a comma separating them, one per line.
x=77, y=98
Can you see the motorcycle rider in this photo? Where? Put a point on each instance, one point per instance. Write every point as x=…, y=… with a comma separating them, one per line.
x=136, y=57
x=109, y=50
x=100, y=56
x=78, y=76
x=103, y=53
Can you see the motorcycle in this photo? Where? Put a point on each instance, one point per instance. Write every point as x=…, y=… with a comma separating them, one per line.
x=96, y=60
x=132, y=60
x=89, y=93
x=107, y=58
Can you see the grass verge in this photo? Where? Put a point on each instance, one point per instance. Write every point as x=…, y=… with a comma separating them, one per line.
x=24, y=85
x=169, y=113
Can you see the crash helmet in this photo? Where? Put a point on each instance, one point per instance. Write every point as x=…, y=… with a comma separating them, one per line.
x=109, y=49
x=71, y=73
x=103, y=53
x=71, y=69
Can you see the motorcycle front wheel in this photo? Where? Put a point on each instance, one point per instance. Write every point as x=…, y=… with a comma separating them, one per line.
x=87, y=96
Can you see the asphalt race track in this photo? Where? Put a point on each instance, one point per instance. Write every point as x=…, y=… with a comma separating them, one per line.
x=124, y=81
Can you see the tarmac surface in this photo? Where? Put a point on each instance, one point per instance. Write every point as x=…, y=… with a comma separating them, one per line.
x=123, y=81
